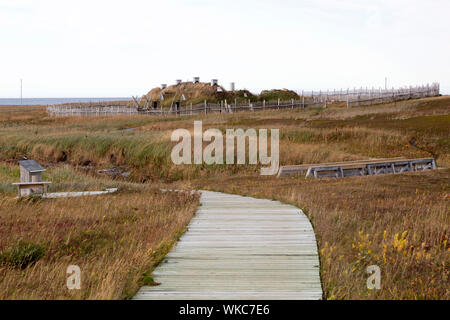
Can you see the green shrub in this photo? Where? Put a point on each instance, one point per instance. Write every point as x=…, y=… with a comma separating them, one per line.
x=22, y=254
x=86, y=242
x=148, y=280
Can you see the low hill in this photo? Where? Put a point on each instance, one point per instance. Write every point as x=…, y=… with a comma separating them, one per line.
x=275, y=94
x=197, y=93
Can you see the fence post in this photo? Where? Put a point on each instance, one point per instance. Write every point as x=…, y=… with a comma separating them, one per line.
x=264, y=104
x=292, y=103
x=303, y=101
x=205, y=107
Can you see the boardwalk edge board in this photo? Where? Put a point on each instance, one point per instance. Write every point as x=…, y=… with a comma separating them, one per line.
x=241, y=251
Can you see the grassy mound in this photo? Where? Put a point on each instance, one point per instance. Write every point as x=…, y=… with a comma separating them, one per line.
x=275, y=94
x=197, y=93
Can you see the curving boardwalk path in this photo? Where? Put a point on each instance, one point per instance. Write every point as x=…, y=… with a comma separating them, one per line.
x=240, y=248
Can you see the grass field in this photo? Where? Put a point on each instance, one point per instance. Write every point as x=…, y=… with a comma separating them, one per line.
x=399, y=222
x=116, y=239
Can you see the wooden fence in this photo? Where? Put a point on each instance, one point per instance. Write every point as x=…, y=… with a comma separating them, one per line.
x=225, y=107
x=204, y=108
x=368, y=96
x=352, y=98
x=90, y=109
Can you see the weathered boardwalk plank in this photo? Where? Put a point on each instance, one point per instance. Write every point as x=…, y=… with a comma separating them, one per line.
x=360, y=167
x=240, y=248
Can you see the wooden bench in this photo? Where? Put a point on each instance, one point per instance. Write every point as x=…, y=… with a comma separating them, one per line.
x=24, y=186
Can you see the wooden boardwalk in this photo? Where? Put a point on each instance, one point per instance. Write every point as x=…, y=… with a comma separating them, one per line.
x=360, y=167
x=240, y=248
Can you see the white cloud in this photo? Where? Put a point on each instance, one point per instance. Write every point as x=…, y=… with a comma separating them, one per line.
x=117, y=48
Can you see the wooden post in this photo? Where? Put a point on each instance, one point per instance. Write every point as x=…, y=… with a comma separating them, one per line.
x=303, y=101
x=292, y=103
x=264, y=104
x=205, y=107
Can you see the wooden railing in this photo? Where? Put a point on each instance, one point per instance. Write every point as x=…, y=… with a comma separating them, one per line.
x=352, y=98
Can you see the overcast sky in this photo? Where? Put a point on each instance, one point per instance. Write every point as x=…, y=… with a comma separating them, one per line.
x=123, y=48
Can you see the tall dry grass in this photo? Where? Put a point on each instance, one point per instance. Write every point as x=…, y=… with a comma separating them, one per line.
x=115, y=239
x=399, y=222
x=310, y=135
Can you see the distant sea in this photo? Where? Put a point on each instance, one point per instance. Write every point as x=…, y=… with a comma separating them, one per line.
x=50, y=101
